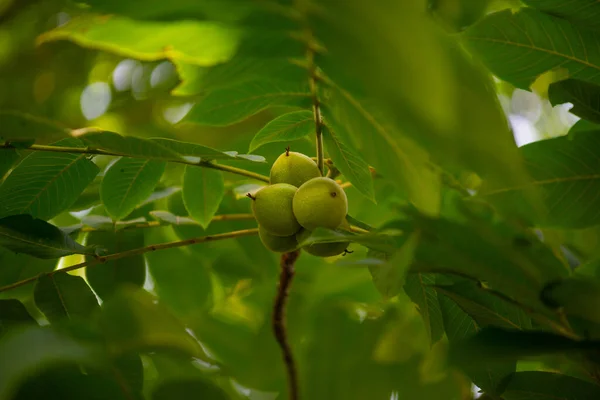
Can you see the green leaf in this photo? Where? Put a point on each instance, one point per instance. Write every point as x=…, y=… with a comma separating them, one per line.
x=149, y=41
x=185, y=289
x=13, y=314
x=358, y=223
x=205, y=153
x=590, y=269
x=491, y=377
x=567, y=172
x=234, y=104
x=127, y=183
x=17, y=267
x=519, y=46
x=376, y=241
x=70, y=382
x=180, y=390
x=387, y=54
x=399, y=159
x=45, y=184
x=496, y=344
x=18, y=128
x=170, y=218
x=584, y=96
x=368, y=361
x=131, y=368
x=418, y=288
x=244, y=68
x=349, y=162
x=24, y=234
x=508, y=259
x=203, y=190
x=581, y=12
x=485, y=308
x=285, y=128
x=577, y=296
x=548, y=386
x=107, y=277
x=128, y=146
x=458, y=14
x=582, y=126
x=390, y=276
x=101, y=222
x=8, y=158
x=131, y=321
x=192, y=149
x=230, y=10
x=45, y=349
x=61, y=296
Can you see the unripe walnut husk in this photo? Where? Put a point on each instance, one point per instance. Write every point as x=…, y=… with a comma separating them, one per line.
x=320, y=202
x=277, y=244
x=294, y=169
x=272, y=207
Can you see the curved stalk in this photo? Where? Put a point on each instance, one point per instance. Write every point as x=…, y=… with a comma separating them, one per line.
x=87, y=150
x=133, y=252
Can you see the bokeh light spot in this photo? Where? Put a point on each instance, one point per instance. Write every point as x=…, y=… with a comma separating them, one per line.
x=176, y=113
x=95, y=99
x=162, y=74
x=122, y=74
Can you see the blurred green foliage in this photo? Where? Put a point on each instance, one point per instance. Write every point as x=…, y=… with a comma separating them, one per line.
x=130, y=134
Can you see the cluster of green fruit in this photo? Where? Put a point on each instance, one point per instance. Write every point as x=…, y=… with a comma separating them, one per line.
x=297, y=201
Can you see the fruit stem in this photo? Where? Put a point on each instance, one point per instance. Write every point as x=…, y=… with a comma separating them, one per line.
x=287, y=151
x=133, y=252
x=250, y=196
x=279, y=328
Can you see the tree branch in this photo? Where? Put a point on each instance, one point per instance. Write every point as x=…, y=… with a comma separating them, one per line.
x=133, y=252
x=89, y=150
x=279, y=328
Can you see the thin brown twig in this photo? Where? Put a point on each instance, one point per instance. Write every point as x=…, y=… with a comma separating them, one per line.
x=96, y=151
x=279, y=328
x=133, y=252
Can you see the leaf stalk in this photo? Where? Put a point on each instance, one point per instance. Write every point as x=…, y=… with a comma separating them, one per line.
x=312, y=81
x=97, y=151
x=133, y=252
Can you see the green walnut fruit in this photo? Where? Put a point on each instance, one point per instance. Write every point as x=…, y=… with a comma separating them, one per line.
x=294, y=169
x=278, y=244
x=273, y=210
x=321, y=249
x=320, y=202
